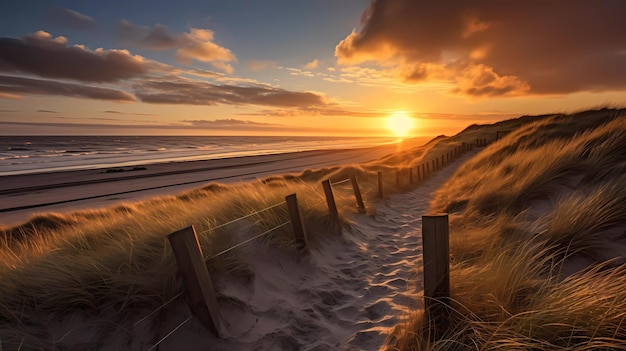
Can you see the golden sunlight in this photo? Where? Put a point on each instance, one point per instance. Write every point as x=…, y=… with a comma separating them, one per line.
x=400, y=123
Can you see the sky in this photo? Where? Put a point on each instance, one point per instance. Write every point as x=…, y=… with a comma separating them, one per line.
x=310, y=67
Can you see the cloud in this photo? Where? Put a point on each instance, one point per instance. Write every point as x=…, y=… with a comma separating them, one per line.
x=485, y=49
x=176, y=90
x=314, y=111
x=260, y=65
x=21, y=85
x=230, y=123
x=198, y=44
x=312, y=65
x=156, y=37
x=111, y=111
x=49, y=57
x=70, y=19
x=47, y=111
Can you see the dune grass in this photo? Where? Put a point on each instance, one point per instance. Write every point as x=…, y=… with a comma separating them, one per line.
x=83, y=279
x=538, y=241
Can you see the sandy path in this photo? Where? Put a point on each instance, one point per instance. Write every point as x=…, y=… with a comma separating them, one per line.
x=345, y=296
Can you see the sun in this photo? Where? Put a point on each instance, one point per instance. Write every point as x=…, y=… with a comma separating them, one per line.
x=400, y=123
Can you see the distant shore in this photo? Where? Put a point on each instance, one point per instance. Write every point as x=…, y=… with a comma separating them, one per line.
x=27, y=194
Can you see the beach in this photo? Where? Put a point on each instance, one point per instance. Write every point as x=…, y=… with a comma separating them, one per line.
x=23, y=195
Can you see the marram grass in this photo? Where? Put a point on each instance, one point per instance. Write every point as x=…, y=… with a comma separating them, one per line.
x=538, y=241
x=82, y=280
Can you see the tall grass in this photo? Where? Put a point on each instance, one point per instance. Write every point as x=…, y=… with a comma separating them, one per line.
x=81, y=280
x=538, y=238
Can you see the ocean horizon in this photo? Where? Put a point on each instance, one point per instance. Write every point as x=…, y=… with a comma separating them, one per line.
x=39, y=154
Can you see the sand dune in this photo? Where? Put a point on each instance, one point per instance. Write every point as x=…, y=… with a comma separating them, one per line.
x=346, y=295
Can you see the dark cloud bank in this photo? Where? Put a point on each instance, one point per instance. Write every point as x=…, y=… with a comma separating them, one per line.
x=492, y=47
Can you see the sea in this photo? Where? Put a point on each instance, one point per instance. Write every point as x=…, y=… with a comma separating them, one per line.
x=38, y=154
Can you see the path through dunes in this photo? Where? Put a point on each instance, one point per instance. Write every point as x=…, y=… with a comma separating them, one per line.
x=346, y=295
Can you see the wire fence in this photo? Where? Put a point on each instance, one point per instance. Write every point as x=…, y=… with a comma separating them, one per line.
x=241, y=218
x=341, y=181
x=234, y=247
x=179, y=295
x=247, y=241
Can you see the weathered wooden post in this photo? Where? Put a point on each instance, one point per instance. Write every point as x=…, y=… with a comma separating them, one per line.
x=436, y=164
x=330, y=200
x=424, y=165
x=295, y=215
x=397, y=177
x=418, y=174
x=443, y=162
x=357, y=194
x=427, y=168
x=410, y=175
x=380, y=184
x=191, y=266
x=436, y=253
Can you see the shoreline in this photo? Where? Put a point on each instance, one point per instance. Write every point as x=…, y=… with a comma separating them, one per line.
x=68, y=191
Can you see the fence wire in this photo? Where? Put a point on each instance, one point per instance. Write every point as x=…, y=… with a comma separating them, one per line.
x=240, y=218
x=247, y=241
x=170, y=333
x=159, y=308
x=341, y=181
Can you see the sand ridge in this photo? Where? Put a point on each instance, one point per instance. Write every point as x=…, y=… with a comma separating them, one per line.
x=347, y=295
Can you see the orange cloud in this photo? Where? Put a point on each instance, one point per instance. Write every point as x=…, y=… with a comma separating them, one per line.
x=259, y=65
x=312, y=65
x=199, y=44
x=536, y=47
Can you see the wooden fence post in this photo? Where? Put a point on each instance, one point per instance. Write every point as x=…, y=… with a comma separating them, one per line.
x=436, y=253
x=357, y=194
x=191, y=266
x=330, y=199
x=427, y=168
x=380, y=184
x=397, y=177
x=442, y=161
x=296, y=221
x=410, y=175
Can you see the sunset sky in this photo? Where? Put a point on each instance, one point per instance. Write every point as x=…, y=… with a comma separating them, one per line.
x=315, y=67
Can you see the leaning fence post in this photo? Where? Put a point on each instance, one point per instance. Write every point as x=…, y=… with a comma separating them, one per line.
x=191, y=266
x=296, y=220
x=330, y=199
x=357, y=194
x=436, y=252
